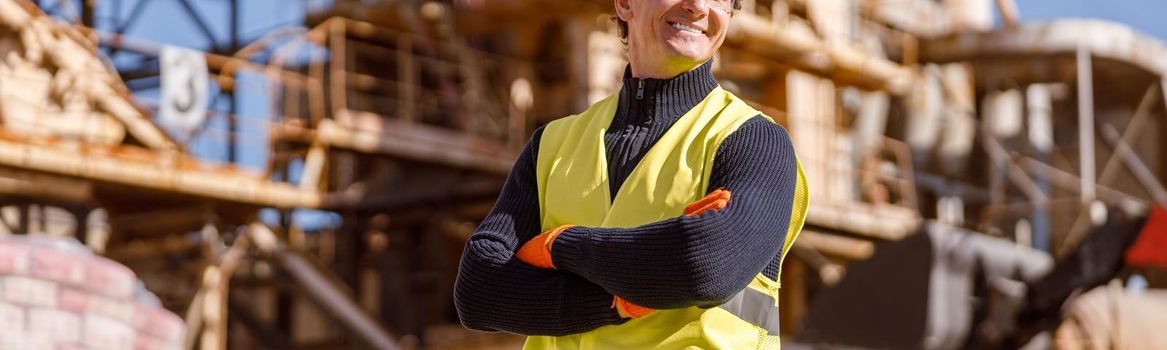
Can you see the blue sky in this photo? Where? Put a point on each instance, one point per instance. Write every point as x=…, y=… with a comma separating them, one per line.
x=1147, y=16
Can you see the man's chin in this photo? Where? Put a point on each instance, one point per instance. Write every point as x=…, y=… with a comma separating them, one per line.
x=688, y=54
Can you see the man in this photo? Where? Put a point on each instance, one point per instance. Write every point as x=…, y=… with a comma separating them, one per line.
x=656, y=219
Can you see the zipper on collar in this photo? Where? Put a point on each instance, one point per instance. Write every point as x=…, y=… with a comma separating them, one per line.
x=639, y=89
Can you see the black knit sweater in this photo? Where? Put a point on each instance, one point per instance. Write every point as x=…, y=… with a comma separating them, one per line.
x=678, y=262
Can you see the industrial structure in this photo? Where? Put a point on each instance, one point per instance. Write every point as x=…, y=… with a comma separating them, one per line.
x=402, y=119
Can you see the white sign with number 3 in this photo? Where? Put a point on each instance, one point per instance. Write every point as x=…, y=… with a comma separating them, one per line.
x=183, y=105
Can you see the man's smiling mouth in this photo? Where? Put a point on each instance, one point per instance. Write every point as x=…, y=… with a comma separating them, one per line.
x=685, y=28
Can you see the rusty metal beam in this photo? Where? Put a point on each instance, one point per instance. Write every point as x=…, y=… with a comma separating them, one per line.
x=109, y=167
x=323, y=290
x=1000, y=157
x=375, y=134
x=200, y=23
x=160, y=220
x=227, y=64
x=87, y=12
x=1142, y=173
x=45, y=186
x=1142, y=112
x=1086, y=124
x=1071, y=182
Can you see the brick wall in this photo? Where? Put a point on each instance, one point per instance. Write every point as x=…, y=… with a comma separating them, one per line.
x=56, y=294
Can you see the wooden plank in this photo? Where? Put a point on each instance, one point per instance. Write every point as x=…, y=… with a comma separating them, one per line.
x=157, y=172
x=374, y=134
x=836, y=245
x=39, y=185
x=882, y=222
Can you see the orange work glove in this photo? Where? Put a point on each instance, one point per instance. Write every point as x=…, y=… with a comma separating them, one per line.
x=714, y=201
x=627, y=309
x=537, y=251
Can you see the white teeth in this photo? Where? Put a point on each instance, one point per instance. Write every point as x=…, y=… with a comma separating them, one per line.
x=686, y=28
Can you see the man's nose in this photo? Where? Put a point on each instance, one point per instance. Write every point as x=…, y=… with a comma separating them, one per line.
x=695, y=7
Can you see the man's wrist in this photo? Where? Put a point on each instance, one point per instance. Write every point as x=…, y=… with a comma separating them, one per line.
x=570, y=247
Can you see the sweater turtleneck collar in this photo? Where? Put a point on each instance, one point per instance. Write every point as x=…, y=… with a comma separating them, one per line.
x=667, y=98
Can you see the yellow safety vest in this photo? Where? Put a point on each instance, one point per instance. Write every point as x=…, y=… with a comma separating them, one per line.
x=572, y=174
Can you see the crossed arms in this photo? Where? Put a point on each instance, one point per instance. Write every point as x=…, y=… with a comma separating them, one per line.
x=677, y=262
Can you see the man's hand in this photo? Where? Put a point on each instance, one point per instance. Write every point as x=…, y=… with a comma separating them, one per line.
x=627, y=309
x=537, y=251
x=714, y=201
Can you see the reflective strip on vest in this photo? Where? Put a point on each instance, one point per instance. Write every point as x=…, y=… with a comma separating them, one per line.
x=754, y=307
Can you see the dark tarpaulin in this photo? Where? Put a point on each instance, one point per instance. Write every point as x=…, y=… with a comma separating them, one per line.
x=1096, y=260
x=922, y=291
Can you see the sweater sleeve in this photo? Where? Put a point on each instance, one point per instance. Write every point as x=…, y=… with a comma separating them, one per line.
x=703, y=260
x=496, y=292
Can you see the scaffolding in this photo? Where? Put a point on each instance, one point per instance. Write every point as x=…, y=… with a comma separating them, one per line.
x=402, y=119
